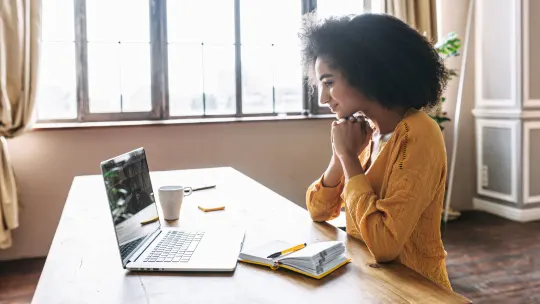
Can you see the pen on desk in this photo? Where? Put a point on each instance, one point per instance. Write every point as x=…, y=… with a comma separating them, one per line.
x=154, y=219
x=204, y=188
x=292, y=249
x=212, y=209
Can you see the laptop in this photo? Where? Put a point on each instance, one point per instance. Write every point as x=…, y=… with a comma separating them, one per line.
x=143, y=244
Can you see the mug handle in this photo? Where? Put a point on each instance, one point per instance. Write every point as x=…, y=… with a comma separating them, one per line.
x=188, y=191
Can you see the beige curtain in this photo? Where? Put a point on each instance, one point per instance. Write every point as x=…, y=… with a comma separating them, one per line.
x=20, y=22
x=420, y=14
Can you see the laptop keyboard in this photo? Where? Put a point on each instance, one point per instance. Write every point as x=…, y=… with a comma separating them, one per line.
x=175, y=246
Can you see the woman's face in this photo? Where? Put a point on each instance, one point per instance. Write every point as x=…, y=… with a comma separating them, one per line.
x=335, y=91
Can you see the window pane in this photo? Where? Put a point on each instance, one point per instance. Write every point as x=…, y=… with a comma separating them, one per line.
x=57, y=94
x=219, y=79
x=327, y=8
x=257, y=79
x=104, y=77
x=118, y=20
x=275, y=21
x=256, y=22
x=208, y=21
x=286, y=21
x=185, y=80
x=58, y=20
x=264, y=73
x=135, y=20
x=377, y=6
x=119, y=77
x=136, y=87
x=288, y=79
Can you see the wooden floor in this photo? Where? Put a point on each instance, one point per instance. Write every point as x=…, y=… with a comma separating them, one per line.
x=490, y=260
x=493, y=260
x=18, y=280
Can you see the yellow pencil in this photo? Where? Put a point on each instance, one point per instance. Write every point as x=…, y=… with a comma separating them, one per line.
x=155, y=219
x=212, y=209
x=292, y=249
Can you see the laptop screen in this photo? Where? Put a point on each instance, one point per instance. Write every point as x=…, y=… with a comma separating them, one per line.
x=131, y=199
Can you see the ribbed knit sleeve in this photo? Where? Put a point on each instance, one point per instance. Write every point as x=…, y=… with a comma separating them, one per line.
x=324, y=203
x=385, y=224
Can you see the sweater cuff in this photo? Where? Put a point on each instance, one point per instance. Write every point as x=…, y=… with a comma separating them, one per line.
x=327, y=191
x=356, y=186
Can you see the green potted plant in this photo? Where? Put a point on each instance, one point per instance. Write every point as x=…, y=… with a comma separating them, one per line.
x=448, y=47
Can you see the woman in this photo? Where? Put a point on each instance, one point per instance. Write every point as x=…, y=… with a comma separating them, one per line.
x=389, y=174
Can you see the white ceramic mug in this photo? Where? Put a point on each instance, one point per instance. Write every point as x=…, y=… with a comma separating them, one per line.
x=170, y=199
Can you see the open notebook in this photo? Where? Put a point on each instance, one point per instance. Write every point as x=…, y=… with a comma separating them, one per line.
x=315, y=260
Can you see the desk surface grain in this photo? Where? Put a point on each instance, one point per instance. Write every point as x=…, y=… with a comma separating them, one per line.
x=83, y=264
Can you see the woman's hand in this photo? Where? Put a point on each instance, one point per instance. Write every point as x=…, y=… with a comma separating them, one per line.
x=334, y=172
x=350, y=138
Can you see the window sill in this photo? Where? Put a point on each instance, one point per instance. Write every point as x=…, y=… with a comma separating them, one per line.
x=184, y=121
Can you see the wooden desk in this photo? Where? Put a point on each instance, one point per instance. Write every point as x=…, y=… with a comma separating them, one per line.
x=339, y=222
x=83, y=265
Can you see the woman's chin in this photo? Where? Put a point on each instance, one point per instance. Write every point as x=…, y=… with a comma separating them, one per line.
x=340, y=115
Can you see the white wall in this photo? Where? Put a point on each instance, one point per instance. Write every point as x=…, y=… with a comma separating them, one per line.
x=285, y=156
x=452, y=17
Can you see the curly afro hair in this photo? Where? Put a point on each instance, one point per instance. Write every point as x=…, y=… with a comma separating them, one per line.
x=379, y=55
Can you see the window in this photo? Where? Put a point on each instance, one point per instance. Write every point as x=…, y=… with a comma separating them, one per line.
x=201, y=57
x=158, y=59
x=117, y=44
x=57, y=93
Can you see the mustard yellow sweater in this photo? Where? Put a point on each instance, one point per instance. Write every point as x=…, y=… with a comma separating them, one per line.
x=396, y=206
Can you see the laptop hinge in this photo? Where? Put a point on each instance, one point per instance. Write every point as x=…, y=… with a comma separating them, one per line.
x=142, y=247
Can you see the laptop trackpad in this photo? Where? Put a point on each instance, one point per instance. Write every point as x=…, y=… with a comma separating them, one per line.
x=218, y=249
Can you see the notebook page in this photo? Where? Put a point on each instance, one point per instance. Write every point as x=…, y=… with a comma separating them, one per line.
x=320, y=269
x=313, y=264
x=260, y=253
x=311, y=251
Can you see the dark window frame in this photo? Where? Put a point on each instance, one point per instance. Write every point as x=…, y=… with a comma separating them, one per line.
x=159, y=71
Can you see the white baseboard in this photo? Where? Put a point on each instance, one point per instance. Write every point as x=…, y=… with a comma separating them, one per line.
x=515, y=214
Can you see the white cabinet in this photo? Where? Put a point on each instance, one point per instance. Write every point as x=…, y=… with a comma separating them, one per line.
x=507, y=107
